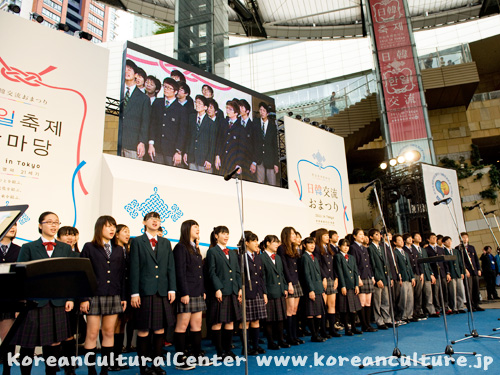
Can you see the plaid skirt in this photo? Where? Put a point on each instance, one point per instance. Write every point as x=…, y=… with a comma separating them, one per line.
x=43, y=326
x=7, y=315
x=256, y=309
x=316, y=307
x=155, y=313
x=105, y=305
x=329, y=287
x=227, y=311
x=196, y=304
x=297, y=291
x=276, y=309
x=367, y=287
x=348, y=303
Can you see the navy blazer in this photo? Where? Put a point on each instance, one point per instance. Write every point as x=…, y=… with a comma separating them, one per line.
x=110, y=273
x=393, y=267
x=455, y=267
x=274, y=276
x=311, y=274
x=347, y=271
x=168, y=127
x=326, y=264
x=248, y=147
x=378, y=263
x=229, y=146
x=404, y=265
x=35, y=250
x=474, y=266
x=12, y=254
x=443, y=266
x=256, y=277
x=266, y=146
x=360, y=253
x=224, y=274
x=413, y=254
x=290, y=266
x=135, y=120
x=151, y=272
x=189, y=272
x=201, y=142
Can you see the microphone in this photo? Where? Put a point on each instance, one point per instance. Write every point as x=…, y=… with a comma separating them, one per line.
x=230, y=175
x=362, y=190
x=472, y=207
x=445, y=201
x=490, y=212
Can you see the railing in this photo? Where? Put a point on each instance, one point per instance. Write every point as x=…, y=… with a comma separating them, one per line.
x=486, y=96
x=429, y=58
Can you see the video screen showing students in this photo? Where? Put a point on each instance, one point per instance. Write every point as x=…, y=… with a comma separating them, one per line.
x=177, y=115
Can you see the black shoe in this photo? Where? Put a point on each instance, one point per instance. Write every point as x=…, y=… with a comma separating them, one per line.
x=273, y=346
x=251, y=352
x=349, y=333
x=461, y=311
x=326, y=336
x=370, y=329
x=335, y=334
x=292, y=342
x=159, y=371
x=260, y=350
x=414, y=319
x=203, y=361
x=479, y=308
x=356, y=331
x=317, y=338
x=229, y=353
x=382, y=327
x=184, y=366
x=300, y=341
x=261, y=341
x=283, y=345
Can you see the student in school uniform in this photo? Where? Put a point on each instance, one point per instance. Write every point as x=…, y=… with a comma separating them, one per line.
x=473, y=269
x=249, y=139
x=40, y=328
x=290, y=257
x=224, y=278
x=313, y=289
x=347, y=302
x=153, y=290
x=324, y=253
x=438, y=268
x=108, y=263
x=256, y=299
x=366, y=286
x=454, y=277
x=191, y=293
x=124, y=323
x=334, y=240
x=427, y=308
x=380, y=272
x=265, y=162
x=9, y=252
x=405, y=307
x=68, y=235
x=273, y=268
x=395, y=276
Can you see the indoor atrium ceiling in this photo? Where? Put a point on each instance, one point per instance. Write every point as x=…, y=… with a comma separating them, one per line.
x=314, y=19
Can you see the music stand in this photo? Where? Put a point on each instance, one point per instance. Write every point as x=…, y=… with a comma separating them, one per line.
x=9, y=215
x=396, y=353
x=449, y=348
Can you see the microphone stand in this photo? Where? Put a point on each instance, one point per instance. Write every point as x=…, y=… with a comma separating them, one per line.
x=473, y=332
x=396, y=352
x=489, y=226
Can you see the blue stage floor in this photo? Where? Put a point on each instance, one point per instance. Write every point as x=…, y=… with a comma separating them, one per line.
x=414, y=339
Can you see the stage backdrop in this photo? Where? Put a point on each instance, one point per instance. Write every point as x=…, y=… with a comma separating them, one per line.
x=441, y=183
x=52, y=95
x=317, y=175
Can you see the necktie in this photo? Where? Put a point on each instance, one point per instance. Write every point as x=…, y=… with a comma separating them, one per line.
x=379, y=251
x=243, y=123
x=263, y=130
x=198, y=123
x=127, y=98
x=4, y=249
x=167, y=104
x=49, y=245
x=107, y=249
x=273, y=256
x=230, y=124
x=346, y=257
x=153, y=241
x=312, y=256
x=226, y=251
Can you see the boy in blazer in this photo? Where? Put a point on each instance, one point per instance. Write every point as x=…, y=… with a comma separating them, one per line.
x=419, y=276
x=265, y=161
x=439, y=268
x=455, y=276
x=405, y=306
x=426, y=308
x=153, y=289
x=474, y=273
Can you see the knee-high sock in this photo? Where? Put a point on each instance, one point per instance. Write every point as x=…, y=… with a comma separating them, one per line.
x=279, y=331
x=51, y=351
x=312, y=327
x=254, y=337
x=227, y=339
x=331, y=322
x=68, y=349
x=269, y=332
x=345, y=321
x=90, y=353
x=317, y=323
x=143, y=349
x=130, y=333
x=180, y=342
x=106, y=358
x=26, y=352
x=118, y=345
x=196, y=342
x=217, y=341
x=158, y=345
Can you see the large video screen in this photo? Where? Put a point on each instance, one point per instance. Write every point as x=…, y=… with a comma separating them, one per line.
x=177, y=115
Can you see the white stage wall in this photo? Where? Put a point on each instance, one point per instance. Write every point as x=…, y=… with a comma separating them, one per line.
x=441, y=183
x=52, y=95
x=317, y=176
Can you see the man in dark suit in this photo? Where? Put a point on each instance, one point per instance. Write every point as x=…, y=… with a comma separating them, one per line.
x=228, y=149
x=153, y=288
x=167, y=132
x=474, y=272
x=200, y=138
x=134, y=115
x=265, y=162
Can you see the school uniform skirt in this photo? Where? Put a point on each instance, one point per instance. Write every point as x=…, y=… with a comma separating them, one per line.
x=329, y=287
x=196, y=304
x=297, y=291
x=256, y=309
x=43, y=326
x=316, y=307
x=367, y=287
x=276, y=309
x=105, y=305
x=227, y=311
x=348, y=303
x=155, y=313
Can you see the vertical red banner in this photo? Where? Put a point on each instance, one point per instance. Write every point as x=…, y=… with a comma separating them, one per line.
x=405, y=113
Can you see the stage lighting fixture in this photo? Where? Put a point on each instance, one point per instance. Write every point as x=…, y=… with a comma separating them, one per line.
x=37, y=17
x=298, y=117
x=14, y=8
x=410, y=156
x=315, y=123
x=290, y=114
x=393, y=196
x=62, y=26
x=85, y=35
x=383, y=165
x=307, y=119
x=401, y=159
x=393, y=162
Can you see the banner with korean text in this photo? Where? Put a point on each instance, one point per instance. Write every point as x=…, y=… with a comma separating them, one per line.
x=52, y=97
